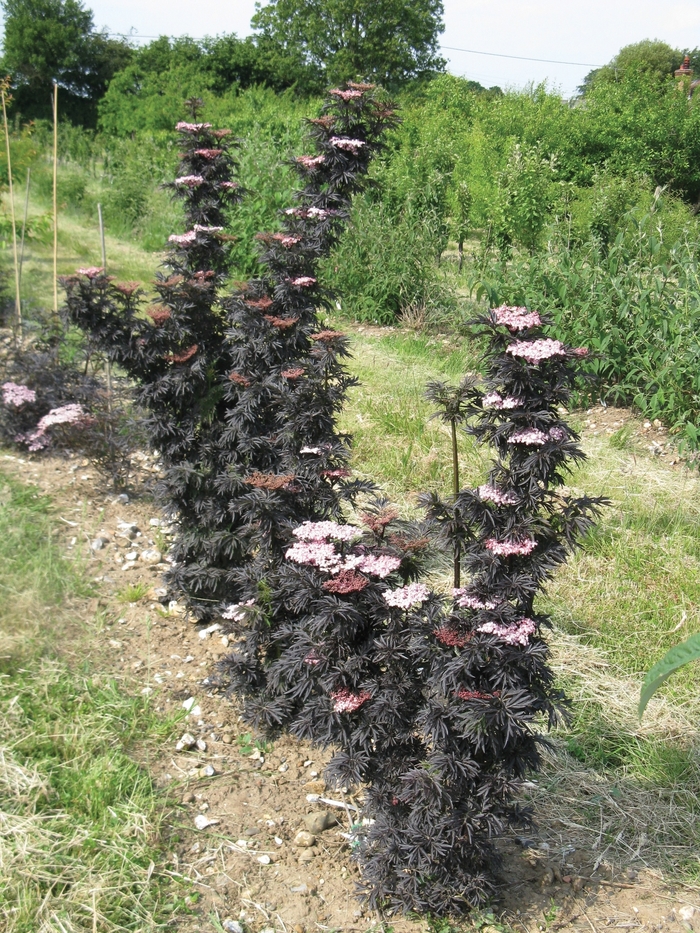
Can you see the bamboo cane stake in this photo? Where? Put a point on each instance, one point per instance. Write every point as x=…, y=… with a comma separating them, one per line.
x=18, y=304
x=104, y=266
x=102, y=237
x=55, y=198
x=24, y=226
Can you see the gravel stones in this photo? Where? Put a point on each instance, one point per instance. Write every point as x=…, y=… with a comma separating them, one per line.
x=304, y=839
x=319, y=820
x=187, y=741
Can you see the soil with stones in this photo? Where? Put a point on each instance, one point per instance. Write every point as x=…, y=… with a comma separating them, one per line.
x=261, y=839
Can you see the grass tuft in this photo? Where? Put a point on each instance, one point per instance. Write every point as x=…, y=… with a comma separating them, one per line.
x=81, y=823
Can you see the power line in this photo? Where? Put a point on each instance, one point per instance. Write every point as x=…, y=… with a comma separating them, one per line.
x=522, y=58
x=450, y=48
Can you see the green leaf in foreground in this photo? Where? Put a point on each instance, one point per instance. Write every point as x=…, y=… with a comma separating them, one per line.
x=676, y=657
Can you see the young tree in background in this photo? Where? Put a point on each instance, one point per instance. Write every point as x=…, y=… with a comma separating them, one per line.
x=388, y=41
x=649, y=57
x=55, y=40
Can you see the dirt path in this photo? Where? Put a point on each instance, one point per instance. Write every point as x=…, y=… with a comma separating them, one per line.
x=248, y=863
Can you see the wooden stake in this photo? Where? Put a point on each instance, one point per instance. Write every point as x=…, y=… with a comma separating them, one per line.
x=18, y=304
x=104, y=266
x=24, y=226
x=102, y=237
x=455, y=489
x=55, y=198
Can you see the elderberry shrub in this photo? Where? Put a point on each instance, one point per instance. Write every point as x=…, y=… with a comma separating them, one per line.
x=228, y=483
x=487, y=680
x=323, y=636
x=54, y=397
x=176, y=353
x=288, y=383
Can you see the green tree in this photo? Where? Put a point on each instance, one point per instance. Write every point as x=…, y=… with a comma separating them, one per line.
x=55, y=40
x=389, y=41
x=650, y=56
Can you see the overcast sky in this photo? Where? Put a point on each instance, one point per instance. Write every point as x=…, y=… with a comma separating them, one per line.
x=589, y=32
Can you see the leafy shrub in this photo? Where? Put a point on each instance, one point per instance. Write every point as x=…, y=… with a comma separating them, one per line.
x=235, y=387
x=525, y=194
x=430, y=702
x=385, y=265
x=55, y=397
x=634, y=302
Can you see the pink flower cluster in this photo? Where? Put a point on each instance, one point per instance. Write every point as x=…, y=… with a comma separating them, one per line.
x=531, y=437
x=490, y=493
x=345, y=95
x=508, y=548
x=349, y=145
x=209, y=154
x=189, y=181
x=315, y=549
x=91, y=272
x=66, y=414
x=517, y=634
x=516, y=318
x=321, y=554
x=345, y=701
x=17, y=395
x=557, y=434
x=494, y=400
x=311, y=162
x=309, y=213
x=288, y=241
x=183, y=127
x=228, y=185
x=183, y=239
x=321, y=531
x=303, y=281
x=465, y=600
x=237, y=612
x=310, y=450
x=312, y=658
x=380, y=565
x=407, y=596
x=536, y=351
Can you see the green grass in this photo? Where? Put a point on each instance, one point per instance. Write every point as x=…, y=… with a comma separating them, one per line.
x=133, y=593
x=82, y=841
x=395, y=442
